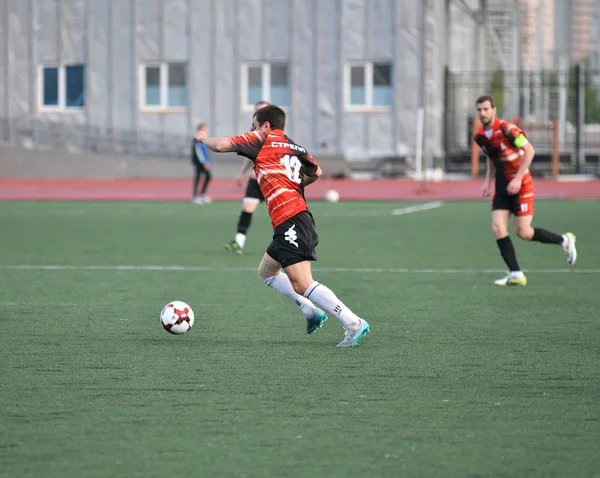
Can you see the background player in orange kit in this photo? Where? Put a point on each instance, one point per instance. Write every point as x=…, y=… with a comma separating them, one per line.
x=510, y=154
x=283, y=169
x=252, y=198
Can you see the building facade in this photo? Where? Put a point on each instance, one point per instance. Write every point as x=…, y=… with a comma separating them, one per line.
x=349, y=72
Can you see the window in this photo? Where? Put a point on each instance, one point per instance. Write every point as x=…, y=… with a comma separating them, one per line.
x=265, y=82
x=163, y=86
x=62, y=87
x=368, y=86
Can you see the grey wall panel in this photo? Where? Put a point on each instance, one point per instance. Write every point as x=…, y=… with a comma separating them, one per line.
x=20, y=79
x=72, y=21
x=3, y=63
x=407, y=83
x=408, y=62
x=276, y=30
x=328, y=76
x=200, y=71
x=250, y=28
x=46, y=28
x=150, y=122
x=380, y=129
x=380, y=36
x=353, y=15
x=409, y=13
x=176, y=124
x=100, y=51
x=149, y=15
x=435, y=92
x=355, y=136
x=175, y=33
x=225, y=69
x=123, y=65
x=303, y=73
x=244, y=122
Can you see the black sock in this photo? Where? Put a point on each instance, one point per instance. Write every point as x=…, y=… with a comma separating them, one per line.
x=508, y=253
x=546, y=237
x=207, y=177
x=196, y=181
x=244, y=222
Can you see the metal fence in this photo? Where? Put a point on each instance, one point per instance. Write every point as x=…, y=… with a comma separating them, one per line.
x=33, y=133
x=570, y=99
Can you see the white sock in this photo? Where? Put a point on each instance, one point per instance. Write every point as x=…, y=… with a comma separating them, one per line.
x=565, y=240
x=240, y=239
x=323, y=297
x=517, y=274
x=281, y=283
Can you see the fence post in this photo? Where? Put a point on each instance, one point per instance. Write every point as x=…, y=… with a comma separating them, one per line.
x=579, y=116
x=446, y=116
x=555, y=149
x=475, y=150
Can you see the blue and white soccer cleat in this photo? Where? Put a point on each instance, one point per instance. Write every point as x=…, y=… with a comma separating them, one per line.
x=352, y=336
x=315, y=322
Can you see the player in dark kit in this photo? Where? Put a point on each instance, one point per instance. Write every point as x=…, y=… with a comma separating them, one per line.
x=252, y=199
x=510, y=154
x=283, y=169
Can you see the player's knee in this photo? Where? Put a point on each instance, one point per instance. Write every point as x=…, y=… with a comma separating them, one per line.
x=499, y=230
x=267, y=271
x=249, y=206
x=524, y=232
x=299, y=284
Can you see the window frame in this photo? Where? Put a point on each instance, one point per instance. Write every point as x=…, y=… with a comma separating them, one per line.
x=61, y=107
x=265, y=67
x=369, y=83
x=163, y=85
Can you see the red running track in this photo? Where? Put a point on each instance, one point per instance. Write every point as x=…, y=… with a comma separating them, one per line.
x=225, y=189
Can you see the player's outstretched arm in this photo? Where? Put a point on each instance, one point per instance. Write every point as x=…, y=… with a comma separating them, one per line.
x=216, y=144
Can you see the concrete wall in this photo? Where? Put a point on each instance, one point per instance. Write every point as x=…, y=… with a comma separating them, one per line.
x=316, y=37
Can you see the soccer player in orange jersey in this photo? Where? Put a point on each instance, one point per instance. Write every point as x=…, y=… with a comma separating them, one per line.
x=283, y=169
x=510, y=154
x=252, y=199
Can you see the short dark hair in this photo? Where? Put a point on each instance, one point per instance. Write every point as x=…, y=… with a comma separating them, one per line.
x=484, y=98
x=273, y=114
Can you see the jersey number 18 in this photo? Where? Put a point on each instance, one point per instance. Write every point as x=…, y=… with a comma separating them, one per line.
x=292, y=167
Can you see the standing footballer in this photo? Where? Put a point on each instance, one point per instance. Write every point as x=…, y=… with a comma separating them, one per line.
x=510, y=154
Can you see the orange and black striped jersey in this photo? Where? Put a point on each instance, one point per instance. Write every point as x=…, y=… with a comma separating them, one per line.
x=502, y=144
x=279, y=165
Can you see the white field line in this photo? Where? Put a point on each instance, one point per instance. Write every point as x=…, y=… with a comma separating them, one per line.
x=421, y=207
x=360, y=270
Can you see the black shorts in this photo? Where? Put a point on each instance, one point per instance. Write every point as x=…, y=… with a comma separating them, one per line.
x=506, y=202
x=253, y=190
x=295, y=240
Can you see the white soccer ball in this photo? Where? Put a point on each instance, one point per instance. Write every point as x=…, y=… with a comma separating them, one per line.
x=177, y=317
x=332, y=196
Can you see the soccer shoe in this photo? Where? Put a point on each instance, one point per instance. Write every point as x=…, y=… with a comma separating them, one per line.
x=570, y=249
x=352, y=336
x=206, y=199
x=511, y=279
x=315, y=322
x=198, y=200
x=234, y=247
